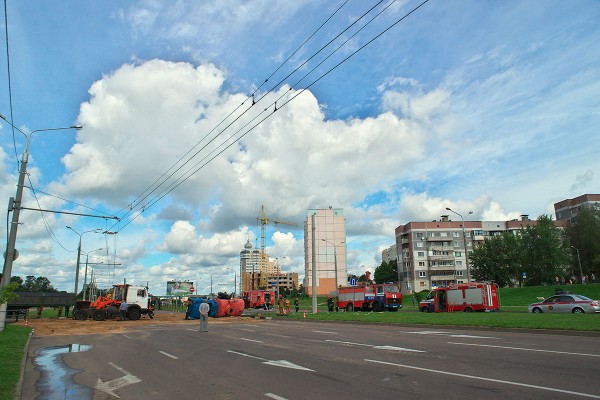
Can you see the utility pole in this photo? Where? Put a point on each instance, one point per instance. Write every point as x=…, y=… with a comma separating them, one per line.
x=14, y=205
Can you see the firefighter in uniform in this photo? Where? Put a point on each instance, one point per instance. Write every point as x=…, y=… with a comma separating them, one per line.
x=330, y=303
x=280, y=303
x=296, y=304
x=287, y=306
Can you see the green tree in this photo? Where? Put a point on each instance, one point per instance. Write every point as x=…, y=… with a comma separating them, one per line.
x=542, y=252
x=7, y=293
x=386, y=272
x=496, y=259
x=37, y=284
x=584, y=235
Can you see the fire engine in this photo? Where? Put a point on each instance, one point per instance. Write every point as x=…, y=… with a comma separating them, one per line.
x=137, y=298
x=376, y=297
x=467, y=297
x=259, y=299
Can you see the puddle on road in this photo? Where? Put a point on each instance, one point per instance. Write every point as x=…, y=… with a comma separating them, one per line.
x=57, y=379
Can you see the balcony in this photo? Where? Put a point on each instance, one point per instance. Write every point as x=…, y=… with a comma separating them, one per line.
x=441, y=257
x=439, y=239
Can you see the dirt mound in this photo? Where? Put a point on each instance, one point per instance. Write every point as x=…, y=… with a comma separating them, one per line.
x=68, y=326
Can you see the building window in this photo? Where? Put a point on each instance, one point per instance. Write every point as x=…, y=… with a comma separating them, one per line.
x=444, y=234
x=421, y=254
x=421, y=263
x=460, y=282
x=422, y=274
x=456, y=244
x=455, y=234
x=420, y=244
x=459, y=273
x=458, y=254
x=458, y=263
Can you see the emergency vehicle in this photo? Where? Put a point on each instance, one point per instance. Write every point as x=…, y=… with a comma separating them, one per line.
x=376, y=297
x=259, y=299
x=467, y=297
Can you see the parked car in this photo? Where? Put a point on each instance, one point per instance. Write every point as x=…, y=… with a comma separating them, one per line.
x=566, y=303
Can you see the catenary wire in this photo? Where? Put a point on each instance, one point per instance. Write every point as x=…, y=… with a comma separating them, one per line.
x=146, y=205
x=150, y=189
x=181, y=180
x=282, y=105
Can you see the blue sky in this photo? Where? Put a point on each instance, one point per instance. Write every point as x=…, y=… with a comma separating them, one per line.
x=475, y=105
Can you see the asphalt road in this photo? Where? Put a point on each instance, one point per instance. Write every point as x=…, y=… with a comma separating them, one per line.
x=313, y=360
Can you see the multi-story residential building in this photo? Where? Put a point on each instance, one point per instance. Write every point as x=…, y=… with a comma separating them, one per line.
x=282, y=280
x=389, y=254
x=567, y=209
x=436, y=253
x=325, y=232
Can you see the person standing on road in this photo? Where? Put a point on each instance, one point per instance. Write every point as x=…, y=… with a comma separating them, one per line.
x=296, y=304
x=123, y=310
x=204, y=309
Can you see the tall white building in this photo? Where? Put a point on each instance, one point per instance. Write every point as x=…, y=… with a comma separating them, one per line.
x=249, y=267
x=325, y=232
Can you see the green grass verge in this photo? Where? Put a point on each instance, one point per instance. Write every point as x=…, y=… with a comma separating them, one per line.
x=503, y=319
x=12, y=345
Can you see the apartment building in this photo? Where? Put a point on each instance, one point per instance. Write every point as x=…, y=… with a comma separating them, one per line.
x=436, y=253
x=567, y=209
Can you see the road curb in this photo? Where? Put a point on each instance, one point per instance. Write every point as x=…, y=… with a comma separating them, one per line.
x=19, y=388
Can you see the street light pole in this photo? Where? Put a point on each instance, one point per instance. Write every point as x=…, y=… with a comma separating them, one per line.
x=87, y=255
x=335, y=265
x=15, y=206
x=465, y=241
x=79, y=255
x=579, y=261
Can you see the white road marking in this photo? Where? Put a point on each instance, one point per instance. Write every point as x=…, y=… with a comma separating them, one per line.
x=569, y=392
x=526, y=349
x=276, y=363
x=326, y=332
x=394, y=348
x=251, y=340
x=274, y=396
x=109, y=387
x=128, y=337
x=168, y=355
x=449, y=334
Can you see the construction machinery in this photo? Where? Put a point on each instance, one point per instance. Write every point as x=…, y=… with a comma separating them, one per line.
x=104, y=307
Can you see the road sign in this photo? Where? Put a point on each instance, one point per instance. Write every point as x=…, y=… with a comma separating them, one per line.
x=191, y=290
x=352, y=281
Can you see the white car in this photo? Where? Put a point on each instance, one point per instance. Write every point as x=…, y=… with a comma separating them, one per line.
x=566, y=303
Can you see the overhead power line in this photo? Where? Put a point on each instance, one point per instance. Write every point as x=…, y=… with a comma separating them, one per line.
x=228, y=142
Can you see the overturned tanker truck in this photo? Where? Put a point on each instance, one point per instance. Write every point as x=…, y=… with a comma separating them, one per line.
x=218, y=307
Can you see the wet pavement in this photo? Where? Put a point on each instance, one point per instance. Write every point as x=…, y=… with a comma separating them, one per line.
x=56, y=380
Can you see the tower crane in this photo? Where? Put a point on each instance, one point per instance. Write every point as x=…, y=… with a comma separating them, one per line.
x=264, y=220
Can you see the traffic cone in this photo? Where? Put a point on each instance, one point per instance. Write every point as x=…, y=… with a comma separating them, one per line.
x=26, y=322
x=304, y=316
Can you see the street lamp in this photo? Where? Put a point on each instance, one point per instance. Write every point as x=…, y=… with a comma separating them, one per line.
x=87, y=255
x=97, y=230
x=465, y=242
x=15, y=206
x=579, y=261
x=335, y=264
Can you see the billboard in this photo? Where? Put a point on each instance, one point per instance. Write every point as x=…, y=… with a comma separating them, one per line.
x=177, y=288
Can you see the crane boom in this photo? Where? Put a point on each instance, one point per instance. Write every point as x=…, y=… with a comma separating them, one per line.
x=264, y=220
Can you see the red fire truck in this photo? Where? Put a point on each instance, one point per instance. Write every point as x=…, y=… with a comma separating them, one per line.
x=377, y=297
x=467, y=297
x=259, y=299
